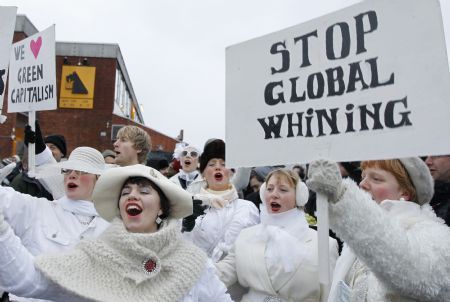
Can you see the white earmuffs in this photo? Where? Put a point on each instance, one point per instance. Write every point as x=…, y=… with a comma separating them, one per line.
x=301, y=193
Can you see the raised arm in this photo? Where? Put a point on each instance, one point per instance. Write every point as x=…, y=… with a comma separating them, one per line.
x=18, y=274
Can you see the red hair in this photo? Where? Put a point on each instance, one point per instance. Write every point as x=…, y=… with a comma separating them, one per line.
x=396, y=168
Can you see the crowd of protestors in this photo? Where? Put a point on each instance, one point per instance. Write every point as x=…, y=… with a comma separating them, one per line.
x=120, y=226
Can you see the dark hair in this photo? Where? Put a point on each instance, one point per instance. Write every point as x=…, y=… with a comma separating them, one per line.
x=142, y=181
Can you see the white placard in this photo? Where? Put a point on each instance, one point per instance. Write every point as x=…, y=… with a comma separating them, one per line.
x=32, y=78
x=7, y=24
x=368, y=82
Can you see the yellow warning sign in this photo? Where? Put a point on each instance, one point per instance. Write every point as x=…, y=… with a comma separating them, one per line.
x=77, y=87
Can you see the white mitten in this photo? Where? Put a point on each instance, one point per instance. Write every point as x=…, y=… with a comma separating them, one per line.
x=324, y=177
x=6, y=170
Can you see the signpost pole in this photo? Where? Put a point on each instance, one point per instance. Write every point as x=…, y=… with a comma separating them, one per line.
x=323, y=245
x=31, y=147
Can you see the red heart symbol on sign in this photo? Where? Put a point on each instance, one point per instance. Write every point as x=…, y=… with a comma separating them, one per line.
x=36, y=46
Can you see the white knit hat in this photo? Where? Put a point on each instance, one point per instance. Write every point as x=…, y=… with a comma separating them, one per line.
x=421, y=178
x=85, y=159
x=107, y=191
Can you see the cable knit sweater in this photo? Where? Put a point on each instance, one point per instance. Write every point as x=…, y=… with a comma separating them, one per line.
x=116, y=273
x=115, y=267
x=405, y=247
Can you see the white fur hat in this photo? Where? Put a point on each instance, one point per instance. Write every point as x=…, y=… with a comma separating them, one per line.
x=107, y=191
x=421, y=178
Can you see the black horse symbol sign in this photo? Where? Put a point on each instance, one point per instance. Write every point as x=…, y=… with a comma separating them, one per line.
x=74, y=83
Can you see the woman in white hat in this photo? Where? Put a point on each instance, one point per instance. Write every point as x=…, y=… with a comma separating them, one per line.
x=140, y=257
x=396, y=248
x=277, y=259
x=52, y=226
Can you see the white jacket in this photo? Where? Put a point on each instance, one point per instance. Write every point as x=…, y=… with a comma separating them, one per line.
x=216, y=231
x=277, y=259
x=47, y=226
x=405, y=247
x=20, y=275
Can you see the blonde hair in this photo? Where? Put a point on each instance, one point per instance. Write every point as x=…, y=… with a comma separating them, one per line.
x=140, y=139
x=290, y=176
x=396, y=168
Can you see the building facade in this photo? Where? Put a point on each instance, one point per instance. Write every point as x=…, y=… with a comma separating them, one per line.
x=95, y=99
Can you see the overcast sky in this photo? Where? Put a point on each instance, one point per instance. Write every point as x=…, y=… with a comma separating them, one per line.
x=174, y=50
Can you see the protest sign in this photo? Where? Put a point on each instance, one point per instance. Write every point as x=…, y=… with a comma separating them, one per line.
x=7, y=23
x=32, y=79
x=368, y=82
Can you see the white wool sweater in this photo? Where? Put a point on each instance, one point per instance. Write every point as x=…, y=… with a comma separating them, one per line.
x=111, y=269
x=405, y=247
x=115, y=271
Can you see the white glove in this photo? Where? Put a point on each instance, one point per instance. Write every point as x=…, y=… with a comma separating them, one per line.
x=324, y=177
x=6, y=170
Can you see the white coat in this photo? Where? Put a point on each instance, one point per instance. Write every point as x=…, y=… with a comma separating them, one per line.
x=248, y=265
x=216, y=231
x=47, y=226
x=405, y=247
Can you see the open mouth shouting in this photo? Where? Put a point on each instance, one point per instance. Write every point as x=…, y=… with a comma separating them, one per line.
x=133, y=209
x=72, y=186
x=275, y=206
x=187, y=163
x=218, y=176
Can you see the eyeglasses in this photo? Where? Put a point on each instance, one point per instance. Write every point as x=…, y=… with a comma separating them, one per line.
x=191, y=153
x=69, y=171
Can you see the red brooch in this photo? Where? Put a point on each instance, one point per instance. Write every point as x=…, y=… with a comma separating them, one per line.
x=151, y=266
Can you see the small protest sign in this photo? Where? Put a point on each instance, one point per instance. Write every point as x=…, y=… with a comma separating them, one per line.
x=32, y=79
x=368, y=82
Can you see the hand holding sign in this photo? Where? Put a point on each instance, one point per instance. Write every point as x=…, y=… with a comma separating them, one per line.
x=324, y=177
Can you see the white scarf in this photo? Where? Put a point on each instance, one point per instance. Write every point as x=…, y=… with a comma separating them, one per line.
x=217, y=199
x=284, y=233
x=189, y=177
x=78, y=207
x=408, y=213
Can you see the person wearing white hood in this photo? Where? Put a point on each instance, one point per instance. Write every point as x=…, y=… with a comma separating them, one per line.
x=54, y=226
x=277, y=260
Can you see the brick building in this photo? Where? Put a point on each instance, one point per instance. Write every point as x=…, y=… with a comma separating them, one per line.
x=91, y=108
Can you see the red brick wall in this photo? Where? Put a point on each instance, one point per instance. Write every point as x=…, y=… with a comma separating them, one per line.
x=81, y=127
